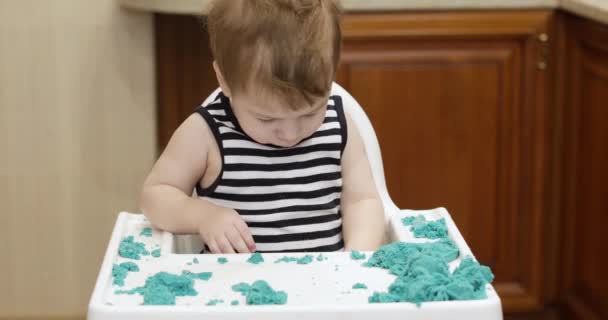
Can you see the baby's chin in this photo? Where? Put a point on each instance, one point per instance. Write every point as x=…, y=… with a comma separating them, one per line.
x=276, y=144
x=280, y=145
x=283, y=145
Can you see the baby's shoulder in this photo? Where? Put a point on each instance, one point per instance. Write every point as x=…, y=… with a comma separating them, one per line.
x=193, y=134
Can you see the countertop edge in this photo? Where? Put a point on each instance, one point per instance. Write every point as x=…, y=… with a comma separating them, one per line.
x=591, y=9
x=587, y=8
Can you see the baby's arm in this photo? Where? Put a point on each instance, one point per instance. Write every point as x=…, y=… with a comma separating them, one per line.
x=362, y=211
x=166, y=198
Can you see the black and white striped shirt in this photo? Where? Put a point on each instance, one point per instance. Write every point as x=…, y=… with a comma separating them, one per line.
x=289, y=197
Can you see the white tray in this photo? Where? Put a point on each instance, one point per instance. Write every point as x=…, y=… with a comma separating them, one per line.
x=319, y=290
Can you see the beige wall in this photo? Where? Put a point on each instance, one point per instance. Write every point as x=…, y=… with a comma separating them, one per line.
x=77, y=135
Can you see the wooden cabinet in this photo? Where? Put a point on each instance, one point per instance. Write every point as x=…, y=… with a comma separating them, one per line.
x=499, y=116
x=458, y=103
x=584, y=121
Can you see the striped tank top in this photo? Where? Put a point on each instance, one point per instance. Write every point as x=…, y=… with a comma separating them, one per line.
x=289, y=197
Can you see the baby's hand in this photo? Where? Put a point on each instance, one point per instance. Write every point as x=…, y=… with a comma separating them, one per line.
x=224, y=231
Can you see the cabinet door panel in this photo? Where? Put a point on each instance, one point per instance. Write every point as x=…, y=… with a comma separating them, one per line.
x=460, y=117
x=585, y=214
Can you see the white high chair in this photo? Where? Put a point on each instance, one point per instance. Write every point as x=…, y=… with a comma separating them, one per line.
x=306, y=300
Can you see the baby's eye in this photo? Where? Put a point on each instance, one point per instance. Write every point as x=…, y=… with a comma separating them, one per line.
x=265, y=120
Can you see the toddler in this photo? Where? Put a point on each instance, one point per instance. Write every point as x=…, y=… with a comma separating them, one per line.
x=276, y=164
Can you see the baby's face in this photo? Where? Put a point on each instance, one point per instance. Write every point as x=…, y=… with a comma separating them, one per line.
x=268, y=121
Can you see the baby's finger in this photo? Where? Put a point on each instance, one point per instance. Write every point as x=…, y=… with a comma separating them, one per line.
x=224, y=244
x=213, y=246
x=236, y=241
x=243, y=229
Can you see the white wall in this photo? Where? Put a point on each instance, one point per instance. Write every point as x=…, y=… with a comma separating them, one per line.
x=77, y=137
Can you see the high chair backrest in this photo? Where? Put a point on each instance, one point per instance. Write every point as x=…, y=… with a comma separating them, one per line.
x=358, y=116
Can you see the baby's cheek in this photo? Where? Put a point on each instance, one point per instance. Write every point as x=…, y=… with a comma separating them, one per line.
x=258, y=135
x=313, y=128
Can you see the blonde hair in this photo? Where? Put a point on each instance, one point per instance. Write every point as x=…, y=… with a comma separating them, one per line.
x=287, y=48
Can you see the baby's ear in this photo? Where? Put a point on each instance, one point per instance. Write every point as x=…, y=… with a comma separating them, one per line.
x=220, y=79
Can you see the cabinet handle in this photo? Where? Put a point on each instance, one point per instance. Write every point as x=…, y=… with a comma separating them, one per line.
x=542, y=65
x=543, y=38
